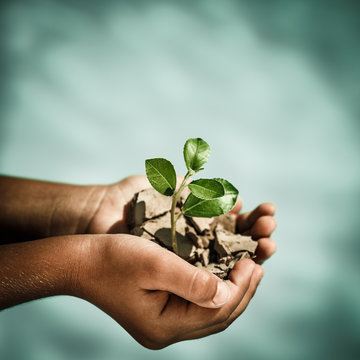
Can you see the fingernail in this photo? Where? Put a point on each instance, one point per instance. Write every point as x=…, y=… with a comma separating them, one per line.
x=222, y=294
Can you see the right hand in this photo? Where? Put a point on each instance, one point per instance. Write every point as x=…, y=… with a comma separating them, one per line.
x=155, y=295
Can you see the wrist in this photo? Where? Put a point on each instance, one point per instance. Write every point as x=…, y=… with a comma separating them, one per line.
x=74, y=209
x=86, y=266
x=41, y=268
x=32, y=209
x=80, y=265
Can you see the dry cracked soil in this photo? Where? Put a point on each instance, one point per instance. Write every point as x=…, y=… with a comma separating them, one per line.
x=208, y=243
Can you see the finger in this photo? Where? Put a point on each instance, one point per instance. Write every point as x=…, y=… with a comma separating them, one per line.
x=263, y=227
x=238, y=284
x=254, y=283
x=237, y=207
x=180, y=317
x=266, y=248
x=173, y=274
x=246, y=220
x=257, y=275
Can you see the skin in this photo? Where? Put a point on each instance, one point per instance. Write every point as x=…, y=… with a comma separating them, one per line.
x=84, y=250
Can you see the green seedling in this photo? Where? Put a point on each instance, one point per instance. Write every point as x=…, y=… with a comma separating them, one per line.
x=207, y=198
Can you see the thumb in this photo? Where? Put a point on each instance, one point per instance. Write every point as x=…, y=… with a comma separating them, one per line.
x=189, y=282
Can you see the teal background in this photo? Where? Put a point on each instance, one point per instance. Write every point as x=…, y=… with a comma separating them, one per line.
x=88, y=90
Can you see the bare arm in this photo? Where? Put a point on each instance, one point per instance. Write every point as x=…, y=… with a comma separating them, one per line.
x=41, y=268
x=32, y=209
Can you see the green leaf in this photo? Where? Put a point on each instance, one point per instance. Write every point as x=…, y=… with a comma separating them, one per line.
x=196, y=207
x=211, y=207
x=207, y=189
x=161, y=175
x=196, y=154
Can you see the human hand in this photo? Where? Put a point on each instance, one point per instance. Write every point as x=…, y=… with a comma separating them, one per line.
x=111, y=215
x=33, y=209
x=155, y=295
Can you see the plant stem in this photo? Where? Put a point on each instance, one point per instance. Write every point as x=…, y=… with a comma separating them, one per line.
x=174, y=218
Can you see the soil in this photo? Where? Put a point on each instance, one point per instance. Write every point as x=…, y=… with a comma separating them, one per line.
x=211, y=244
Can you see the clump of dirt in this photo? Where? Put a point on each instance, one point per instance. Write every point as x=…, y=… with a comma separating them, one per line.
x=211, y=244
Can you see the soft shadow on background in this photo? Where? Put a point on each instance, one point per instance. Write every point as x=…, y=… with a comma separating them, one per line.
x=88, y=90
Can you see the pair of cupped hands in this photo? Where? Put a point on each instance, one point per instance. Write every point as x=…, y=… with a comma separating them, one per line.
x=155, y=295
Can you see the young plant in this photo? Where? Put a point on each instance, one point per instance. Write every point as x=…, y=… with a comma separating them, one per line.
x=207, y=198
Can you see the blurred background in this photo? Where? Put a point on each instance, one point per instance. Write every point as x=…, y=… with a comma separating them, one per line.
x=90, y=89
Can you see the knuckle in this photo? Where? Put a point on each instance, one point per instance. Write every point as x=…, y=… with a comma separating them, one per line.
x=202, y=286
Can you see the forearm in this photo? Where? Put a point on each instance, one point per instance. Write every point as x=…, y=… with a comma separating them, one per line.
x=32, y=209
x=41, y=268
